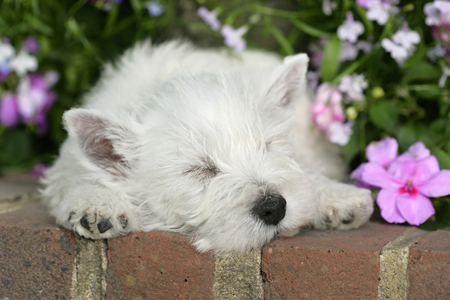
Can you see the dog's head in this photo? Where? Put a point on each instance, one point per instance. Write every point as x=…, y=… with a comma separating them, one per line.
x=206, y=154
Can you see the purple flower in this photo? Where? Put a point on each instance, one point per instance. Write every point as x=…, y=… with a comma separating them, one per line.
x=31, y=44
x=9, y=114
x=5, y=69
x=154, y=8
x=350, y=30
x=38, y=170
x=233, y=37
x=210, y=17
x=362, y=3
x=405, y=186
x=35, y=99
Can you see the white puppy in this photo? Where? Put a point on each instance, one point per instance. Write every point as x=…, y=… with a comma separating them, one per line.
x=197, y=142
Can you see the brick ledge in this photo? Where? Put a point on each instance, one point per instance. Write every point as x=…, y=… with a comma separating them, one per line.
x=39, y=260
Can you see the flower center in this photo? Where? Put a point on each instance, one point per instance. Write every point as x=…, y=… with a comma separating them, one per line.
x=408, y=188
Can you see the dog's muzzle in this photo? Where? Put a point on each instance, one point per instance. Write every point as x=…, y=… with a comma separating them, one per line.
x=271, y=208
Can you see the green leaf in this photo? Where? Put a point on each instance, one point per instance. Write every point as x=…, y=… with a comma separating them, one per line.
x=384, y=114
x=330, y=60
x=421, y=71
x=309, y=29
x=282, y=40
x=15, y=148
x=350, y=150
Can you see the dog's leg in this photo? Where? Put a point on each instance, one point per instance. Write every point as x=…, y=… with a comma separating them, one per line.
x=339, y=205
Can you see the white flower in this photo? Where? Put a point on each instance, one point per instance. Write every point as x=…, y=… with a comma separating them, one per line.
x=24, y=63
x=210, y=17
x=402, y=44
x=406, y=38
x=379, y=11
x=339, y=133
x=436, y=11
x=435, y=52
x=154, y=8
x=6, y=52
x=350, y=30
x=398, y=53
x=365, y=46
x=233, y=37
x=354, y=86
x=445, y=74
x=328, y=7
x=348, y=51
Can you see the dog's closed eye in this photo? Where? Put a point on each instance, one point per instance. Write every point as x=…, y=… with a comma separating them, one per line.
x=203, y=171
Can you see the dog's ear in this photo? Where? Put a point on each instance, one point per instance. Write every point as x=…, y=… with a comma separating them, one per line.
x=288, y=79
x=106, y=142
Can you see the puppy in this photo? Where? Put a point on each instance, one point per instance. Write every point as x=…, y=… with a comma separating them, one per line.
x=201, y=143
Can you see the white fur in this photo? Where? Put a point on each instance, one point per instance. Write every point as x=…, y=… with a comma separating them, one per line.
x=197, y=137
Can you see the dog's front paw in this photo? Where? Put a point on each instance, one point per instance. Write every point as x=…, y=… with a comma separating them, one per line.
x=97, y=213
x=343, y=207
x=97, y=223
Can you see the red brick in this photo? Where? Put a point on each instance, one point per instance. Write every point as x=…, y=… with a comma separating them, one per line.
x=326, y=264
x=429, y=267
x=158, y=265
x=36, y=256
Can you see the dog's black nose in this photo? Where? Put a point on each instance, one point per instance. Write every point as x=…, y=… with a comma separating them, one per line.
x=271, y=208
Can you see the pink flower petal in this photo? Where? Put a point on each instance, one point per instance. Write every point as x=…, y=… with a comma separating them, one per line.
x=436, y=186
x=383, y=152
x=426, y=168
x=9, y=114
x=376, y=175
x=415, y=209
x=414, y=170
x=415, y=151
x=387, y=201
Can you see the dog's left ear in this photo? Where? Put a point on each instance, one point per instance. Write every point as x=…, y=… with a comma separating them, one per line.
x=288, y=79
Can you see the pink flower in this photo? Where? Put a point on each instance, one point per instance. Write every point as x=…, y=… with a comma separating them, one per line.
x=382, y=153
x=210, y=17
x=416, y=151
x=350, y=30
x=405, y=186
x=327, y=106
x=9, y=114
x=233, y=37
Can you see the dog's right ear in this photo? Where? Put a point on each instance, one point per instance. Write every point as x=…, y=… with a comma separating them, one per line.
x=288, y=79
x=106, y=142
